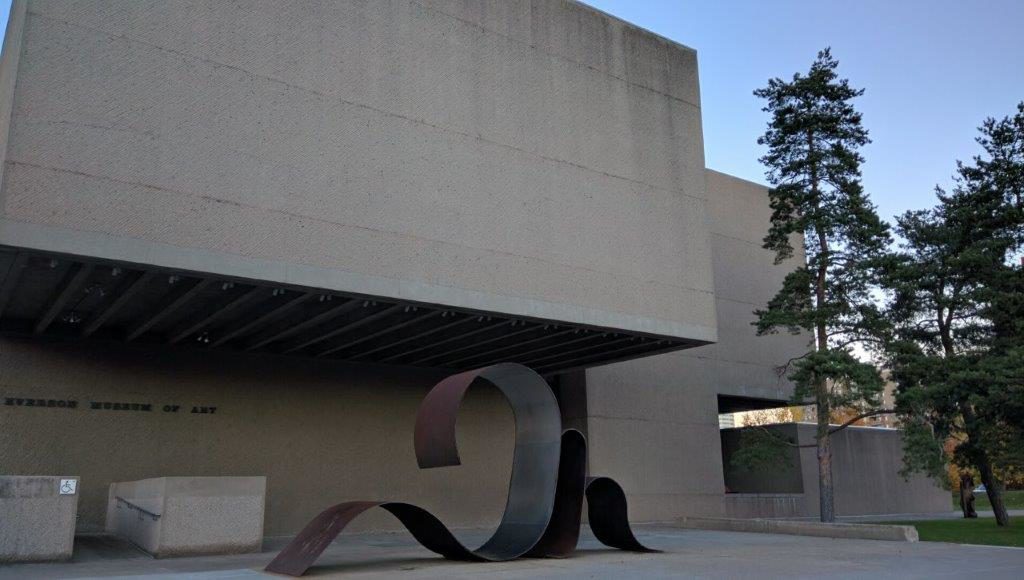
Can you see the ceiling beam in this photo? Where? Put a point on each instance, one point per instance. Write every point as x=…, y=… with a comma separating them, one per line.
x=190, y=328
x=175, y=301
x=507, y=347
x=411, y=337
x=545, y=348
x=574, y=351
x=333, y=312
x=269, y=316
x=11, y=277
x=345, y=328
x=77, y=274
x=601, y=358
x=445, y=341
x=123, y=297
x=476, y=344
x=381, y=332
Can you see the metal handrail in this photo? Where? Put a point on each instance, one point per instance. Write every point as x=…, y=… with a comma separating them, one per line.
x=140, y=509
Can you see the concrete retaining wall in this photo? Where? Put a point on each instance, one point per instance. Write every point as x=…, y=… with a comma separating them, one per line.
x=785, y=476
x=181, y=516
x=866, y=464
x=37, y=516
x=866, y=467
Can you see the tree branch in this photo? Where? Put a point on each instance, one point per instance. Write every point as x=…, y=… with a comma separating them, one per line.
x=832, y=430
x=782, y=369
x=780, y=438
x=874, y=413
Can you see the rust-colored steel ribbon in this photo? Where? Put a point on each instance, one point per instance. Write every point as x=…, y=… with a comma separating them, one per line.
x=546, y=491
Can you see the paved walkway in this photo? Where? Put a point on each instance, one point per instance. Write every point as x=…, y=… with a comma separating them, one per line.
x=687, y=554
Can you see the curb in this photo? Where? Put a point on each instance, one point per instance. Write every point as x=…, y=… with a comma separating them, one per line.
x=816, y=529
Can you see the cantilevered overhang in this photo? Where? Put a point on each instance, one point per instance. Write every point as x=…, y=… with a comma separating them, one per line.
x=182, y=143
x=64, y=297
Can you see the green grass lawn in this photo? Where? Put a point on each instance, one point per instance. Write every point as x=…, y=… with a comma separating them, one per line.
x=1014, y=500
x=976, y=531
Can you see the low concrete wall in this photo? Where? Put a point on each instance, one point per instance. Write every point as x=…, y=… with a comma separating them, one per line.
x=134, y=510
x=783, y=478
x=867, y=462
x=817, y=529
x=866, y=468
x=37, y=517
x=765, y=505
x=180, y=516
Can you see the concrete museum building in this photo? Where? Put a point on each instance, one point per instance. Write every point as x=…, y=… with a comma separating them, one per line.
x=245, y=238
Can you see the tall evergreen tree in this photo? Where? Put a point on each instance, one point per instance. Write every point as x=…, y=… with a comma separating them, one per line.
x=958, y=307
x=813, y=163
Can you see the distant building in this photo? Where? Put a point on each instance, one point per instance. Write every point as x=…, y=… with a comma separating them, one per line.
x=727, y=420
x=889, y=421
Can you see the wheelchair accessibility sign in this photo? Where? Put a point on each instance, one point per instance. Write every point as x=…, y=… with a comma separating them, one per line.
x=68, y=486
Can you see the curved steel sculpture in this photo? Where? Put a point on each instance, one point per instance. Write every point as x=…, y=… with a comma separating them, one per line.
x=545, y=497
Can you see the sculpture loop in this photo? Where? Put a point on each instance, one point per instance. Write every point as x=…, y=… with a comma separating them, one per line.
x=545, y=498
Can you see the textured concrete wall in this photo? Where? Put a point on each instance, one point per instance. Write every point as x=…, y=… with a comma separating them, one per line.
x=653, y=423
x=321, y=433
x=866, y=464
x=189, y=515
x=125, y=518
x=538, y=158
x=742, y=363
x=784, y=477
x=37, y=521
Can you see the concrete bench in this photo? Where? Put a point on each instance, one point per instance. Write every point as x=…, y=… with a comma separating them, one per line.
x=184, y=516
x=37, y=517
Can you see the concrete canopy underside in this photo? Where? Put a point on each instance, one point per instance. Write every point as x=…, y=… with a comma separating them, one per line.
x=72, y=298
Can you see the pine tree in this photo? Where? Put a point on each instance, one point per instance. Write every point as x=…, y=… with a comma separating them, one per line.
x=813, y=163
x=957, y=301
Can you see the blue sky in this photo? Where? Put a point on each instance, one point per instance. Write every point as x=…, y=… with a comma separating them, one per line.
x=933, y=70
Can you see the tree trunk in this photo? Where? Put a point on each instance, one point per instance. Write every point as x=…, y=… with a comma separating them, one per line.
x=994, y=490
x=967, y=496
x=980, y=458
x=826, y=489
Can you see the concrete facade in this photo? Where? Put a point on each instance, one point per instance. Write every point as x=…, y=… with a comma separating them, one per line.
x=533, y=159
x=653, y=422
x=406, y=149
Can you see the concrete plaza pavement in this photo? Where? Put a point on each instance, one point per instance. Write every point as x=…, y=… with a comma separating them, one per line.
x=687, y=554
